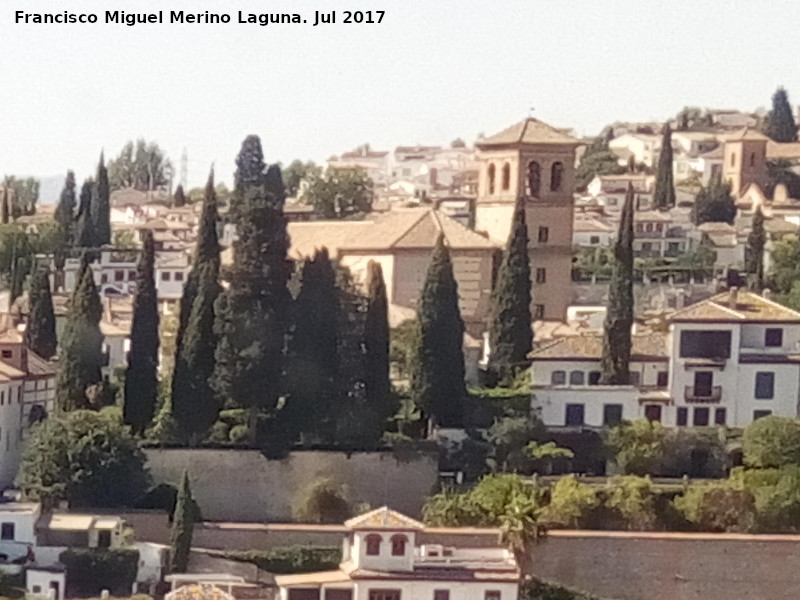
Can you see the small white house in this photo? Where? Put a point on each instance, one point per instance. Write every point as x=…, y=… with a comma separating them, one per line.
x=382, y=561
x=45, y=582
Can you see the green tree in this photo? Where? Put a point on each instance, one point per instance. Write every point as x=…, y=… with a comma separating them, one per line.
x=194, y=403
x=4, y=212
x=322, y=501
x=780, y=125
x=179, y=197
x=637, y=448
x=182, y=528
x=81, y=344
x=65, y=220
x=771, y=442
x=571, y=502
x=509, y=438
x=143, y=166
x=437, y=379
x=631, y=498
x=340, y=193
x=718, y=507
x=40, y=332
x=85, y=457
x=616, y=358
x=24, y=195
x=664, y=193
x=510, y=326
x=296, y=173
x=756, y=241
x=520, y=530
x=376, y=347
x=141, y=378
x=253, y=313
x=714, y=203
x=85, y=236
x=597, y=160
x=100, y=208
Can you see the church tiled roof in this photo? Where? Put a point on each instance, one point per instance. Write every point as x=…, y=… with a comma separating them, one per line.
x=529, y=131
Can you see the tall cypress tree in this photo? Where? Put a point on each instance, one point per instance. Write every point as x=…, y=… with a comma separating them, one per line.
x=615, y=364
x=252, y=314
x=194, y=403
x=437, y=379
x=780, y=124
x=65, y=220
x=511, y=337
x=182, y=528
x=756, y=242
x=179, y=197
x=40, y=332
x=312, y=363
x=101, y=206
x=81, y=344
x=4, y=207
x=141, y=378
x=376, y=342
x=85, y=236
x=664, y=194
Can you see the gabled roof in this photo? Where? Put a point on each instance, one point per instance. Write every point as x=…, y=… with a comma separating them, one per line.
x=749, y=307
x=590, y=347
x=746, y=134
x=383, y=518
x=529, y=131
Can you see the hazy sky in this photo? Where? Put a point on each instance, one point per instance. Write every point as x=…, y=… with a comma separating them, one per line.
x=433, y=70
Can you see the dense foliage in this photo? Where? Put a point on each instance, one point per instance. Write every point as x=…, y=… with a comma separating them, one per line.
x=40, y=331
x=142, y=166
x=714, y=203
x=182, y=527
x=339, y=193
x=291, y=559
x=664, y=192
x=92, y=570
x=322, y=501
x=780, y=125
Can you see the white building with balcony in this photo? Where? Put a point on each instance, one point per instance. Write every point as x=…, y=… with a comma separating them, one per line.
x=382, y=561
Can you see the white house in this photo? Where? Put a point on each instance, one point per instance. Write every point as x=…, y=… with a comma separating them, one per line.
x=589, y=231
x=382, y=561
x=644, y=147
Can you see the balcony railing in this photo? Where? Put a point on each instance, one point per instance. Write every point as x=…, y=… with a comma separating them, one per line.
x=703, y=395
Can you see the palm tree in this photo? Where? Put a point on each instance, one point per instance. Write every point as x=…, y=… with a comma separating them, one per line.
x=520, y=531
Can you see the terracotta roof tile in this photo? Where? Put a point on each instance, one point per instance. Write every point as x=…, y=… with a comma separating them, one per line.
x=749, y=307
x=529, y=131
x=383, y=518
x=590, y=347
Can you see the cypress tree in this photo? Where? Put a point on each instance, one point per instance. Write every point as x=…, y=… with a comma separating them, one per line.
x=664, y=194
x=376, y=342
x=182, y=528
x=4, y=207
x=756, y=241
x=84, y=228
x=194, y=405
x=252, y=314
x=40, y=332
x=179, y=197
x=312, y=364
x=141, y=378
x=81, y=344
x=619, y=316
x=101, y=206
x=780, y=124
x=437, y=379
x=65, y=220
x=510, y=331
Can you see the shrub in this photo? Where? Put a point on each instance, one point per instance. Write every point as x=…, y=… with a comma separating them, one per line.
x=451, y=509
x=91, y=570
x=570, y=503
x=637, y=447
x=631, y=499
x=718, y=507
x=771, y=442
x=693, y=452
x=292, y=559
x=322, y=501
x=539, y=590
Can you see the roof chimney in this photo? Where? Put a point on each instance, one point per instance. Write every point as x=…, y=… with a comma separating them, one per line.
x=733, y=296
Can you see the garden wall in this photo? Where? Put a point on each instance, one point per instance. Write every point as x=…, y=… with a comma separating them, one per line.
x=243, y=485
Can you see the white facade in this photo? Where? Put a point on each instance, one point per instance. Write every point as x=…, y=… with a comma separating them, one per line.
x=45, y=583
x=643, y=147
x=381, y=561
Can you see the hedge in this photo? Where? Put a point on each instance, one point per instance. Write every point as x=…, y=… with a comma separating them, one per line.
x=92, y=570
x=291, y=559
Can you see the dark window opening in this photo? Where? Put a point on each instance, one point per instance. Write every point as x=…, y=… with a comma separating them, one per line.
x=538, y=311
x=373, y=545
x=652, y=412
x=544, y=235
x=534, y=178
x=541, y=275
x=574, y=414
x=558, y=378
x=682, y=416
x=612, y=414
x=490, y=173
x=594, y=377
x=720, y=415
x=556, y=176
x=399, y=545
x=506, y=183
x=662, y=379
x=765, y=385
x=773, y=338
x=701, y=415
x=705, y=344
x=7, y=531
x=576, y=378
x=758, y=414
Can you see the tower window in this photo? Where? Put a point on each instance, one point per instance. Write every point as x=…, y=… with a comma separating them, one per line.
x=534, y=178
x=541, y=275
x=373, y=545
x=544, y=235
x=752, y=159
x=506, y=177
x=556, y=176
x=399, y=545
x=538, y=311
x=733, y=159
x=490, y=173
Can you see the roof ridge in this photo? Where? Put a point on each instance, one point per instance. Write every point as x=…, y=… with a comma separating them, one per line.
x=773, y=303
x=408, y=230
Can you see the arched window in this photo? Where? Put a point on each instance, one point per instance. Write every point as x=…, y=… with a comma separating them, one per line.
x=399, y=545
x=534, y=178
x=752, y=159
x=558, y=378
x=506, y=177
x=490, y=173
x=556, y=176
x=373, y=544
x=576, y=378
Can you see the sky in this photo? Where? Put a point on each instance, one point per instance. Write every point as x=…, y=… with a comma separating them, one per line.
x=432, y=71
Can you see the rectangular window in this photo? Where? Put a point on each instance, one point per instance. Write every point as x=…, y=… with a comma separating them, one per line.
x=441, y=594
x=594, y=377
x=701, y=416
x=538, y=311
x=720, y=416
x=773, y=338
x=574, y=414
x=558, y=378
x=757, y=414
x=612, y=414
x=541, y=275
x=119, y=275
x=652, y=412
x=765, y=385
x=705, y=344
x=594, y=239
x=179, y=276
x=662, y=379
x=103, y=278
x=683, y=416
x=384, y=595
x=7, y=354
x=7, y=531
x=131, y=275
x=491, y=595
x=703, y=384
x=165, y=275
x=544, y=235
